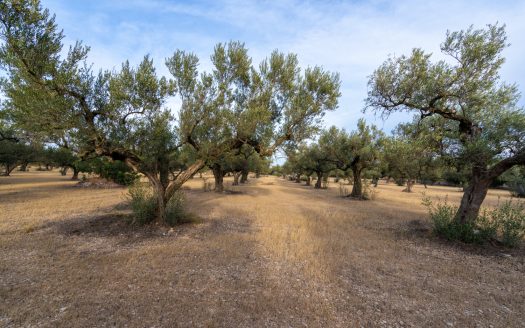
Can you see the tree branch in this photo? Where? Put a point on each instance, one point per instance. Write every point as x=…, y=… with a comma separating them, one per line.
x=506, y=164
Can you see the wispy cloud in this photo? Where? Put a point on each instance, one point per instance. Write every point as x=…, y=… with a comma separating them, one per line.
x=350, y=37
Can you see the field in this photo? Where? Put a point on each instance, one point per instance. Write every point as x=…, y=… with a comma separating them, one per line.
x=270, y=253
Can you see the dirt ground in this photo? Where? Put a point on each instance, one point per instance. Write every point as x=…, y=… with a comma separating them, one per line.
x=270, y=253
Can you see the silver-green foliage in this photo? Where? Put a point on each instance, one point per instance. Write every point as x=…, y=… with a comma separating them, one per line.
x=509, y=217
x=505, y=223
x=485, y=124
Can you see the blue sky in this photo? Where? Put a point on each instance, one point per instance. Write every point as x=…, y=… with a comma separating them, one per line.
x=349, y=37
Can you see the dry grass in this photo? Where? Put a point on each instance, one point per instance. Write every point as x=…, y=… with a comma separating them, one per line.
x=270, y=253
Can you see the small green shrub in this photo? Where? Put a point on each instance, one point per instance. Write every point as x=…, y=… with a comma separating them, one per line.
x=369, y=193
x=116, y=171
x=175, y=212
x=505, y=223
x=488, y=227
x=144, y=205
x=510, y=220
x=442, y=216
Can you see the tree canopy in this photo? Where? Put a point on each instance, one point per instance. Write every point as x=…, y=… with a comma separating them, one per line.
x=484, y=126
x=123, y=114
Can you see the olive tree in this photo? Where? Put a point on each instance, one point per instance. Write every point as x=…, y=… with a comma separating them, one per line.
x=317, y=161
x=63, y=158
x=357, y=151
x=417, y=151
x=401, y=156
x=123, y=115
x=298, y=163
x=14, y=153
x=487, y=126
x=15, y=149
x=238, y=162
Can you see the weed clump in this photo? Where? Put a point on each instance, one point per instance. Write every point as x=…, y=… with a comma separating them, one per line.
x=206, y=185
x=505, y=223
x=143, y=203
x=369, y=191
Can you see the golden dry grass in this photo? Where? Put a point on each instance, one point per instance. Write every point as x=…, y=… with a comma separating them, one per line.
x=273, y=253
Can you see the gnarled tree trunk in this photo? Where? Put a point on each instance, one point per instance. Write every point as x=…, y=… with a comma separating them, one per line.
x=244, y=175
x=410, y=184
x=165, y=189
x=218, y=175
x=63, y=171
x=473, y=198
x=298, y=178
x=9, y=169
x=162, y=201
x=319, y=181
x=357, y=188
x=75, y=174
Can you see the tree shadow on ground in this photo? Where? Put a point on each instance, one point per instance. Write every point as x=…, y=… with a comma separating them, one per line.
x=107, y=225
x=118, y=225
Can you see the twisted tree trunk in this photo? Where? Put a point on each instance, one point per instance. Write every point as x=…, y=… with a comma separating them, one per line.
x=410, y=184
x=357, y=188
x=63, y=171
x=479, y=184
x=319, y=181
x=165, y=189
x=75, y=174
x=9, y=169
x=244, y=175
x=218, y=175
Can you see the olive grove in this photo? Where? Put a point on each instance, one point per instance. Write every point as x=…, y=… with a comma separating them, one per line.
x=123, y=114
